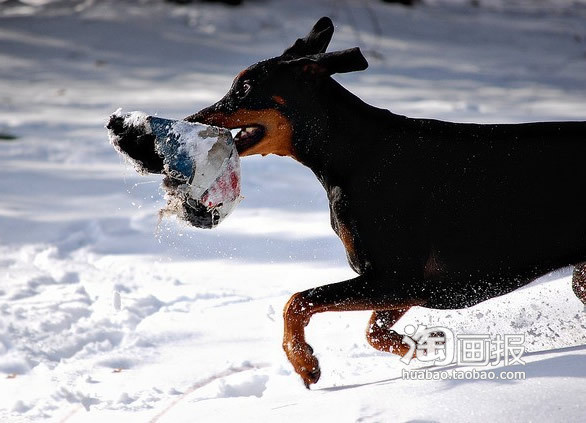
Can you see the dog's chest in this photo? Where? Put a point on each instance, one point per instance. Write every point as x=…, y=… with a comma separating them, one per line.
x=344, y=226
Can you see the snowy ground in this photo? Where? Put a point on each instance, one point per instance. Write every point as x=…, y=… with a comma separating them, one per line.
x=103, y=308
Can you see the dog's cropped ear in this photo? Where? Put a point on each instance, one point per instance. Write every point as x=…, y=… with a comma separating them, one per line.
x=330, y=63
x=342, y=61
x=315, y=42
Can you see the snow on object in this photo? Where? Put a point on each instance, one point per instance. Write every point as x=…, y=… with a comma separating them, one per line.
x=200, y=164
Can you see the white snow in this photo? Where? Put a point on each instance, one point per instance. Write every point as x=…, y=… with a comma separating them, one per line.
x=106, y=314
x=135, y=118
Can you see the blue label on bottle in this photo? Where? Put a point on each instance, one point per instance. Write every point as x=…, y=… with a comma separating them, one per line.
x=167, y=143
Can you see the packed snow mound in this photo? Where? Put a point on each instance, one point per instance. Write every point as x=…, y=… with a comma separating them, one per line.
x=200, y=163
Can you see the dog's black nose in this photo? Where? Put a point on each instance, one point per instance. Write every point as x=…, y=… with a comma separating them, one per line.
x=136, y=143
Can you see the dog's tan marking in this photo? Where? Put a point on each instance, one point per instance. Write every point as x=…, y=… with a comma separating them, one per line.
x=347, y=239
x=379, y=334
x=279, y=100
x=296, y=315
x=278, y=137
x=240, y=74
x=433, y=266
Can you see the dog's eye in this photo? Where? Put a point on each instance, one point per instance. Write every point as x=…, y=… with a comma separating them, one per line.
x=244, y=90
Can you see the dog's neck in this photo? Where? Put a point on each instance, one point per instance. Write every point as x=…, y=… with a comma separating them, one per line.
x=338, y=131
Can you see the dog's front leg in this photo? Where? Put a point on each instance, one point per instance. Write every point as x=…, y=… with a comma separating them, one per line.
x=361, y=293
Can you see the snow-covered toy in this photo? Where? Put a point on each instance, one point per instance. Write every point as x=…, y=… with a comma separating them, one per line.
x=200, y=163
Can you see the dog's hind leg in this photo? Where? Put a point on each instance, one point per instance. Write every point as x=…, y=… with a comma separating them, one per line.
x=579, y=281
x=360, y=293
x=379, y=334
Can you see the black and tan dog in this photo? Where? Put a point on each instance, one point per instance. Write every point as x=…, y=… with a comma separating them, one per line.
x=433, y=214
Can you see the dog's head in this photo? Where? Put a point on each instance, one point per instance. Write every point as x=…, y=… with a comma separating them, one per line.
x=268, y=100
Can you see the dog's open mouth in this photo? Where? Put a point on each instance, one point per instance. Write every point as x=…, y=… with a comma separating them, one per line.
x=248, y=136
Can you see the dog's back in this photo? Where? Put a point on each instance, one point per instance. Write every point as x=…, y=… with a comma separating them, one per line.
x=506, y=204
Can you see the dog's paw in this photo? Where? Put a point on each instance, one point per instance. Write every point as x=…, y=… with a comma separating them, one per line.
x=300, y=355
x=387, y=340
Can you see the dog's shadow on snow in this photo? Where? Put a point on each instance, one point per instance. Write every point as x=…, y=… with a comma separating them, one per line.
x=568, y=365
